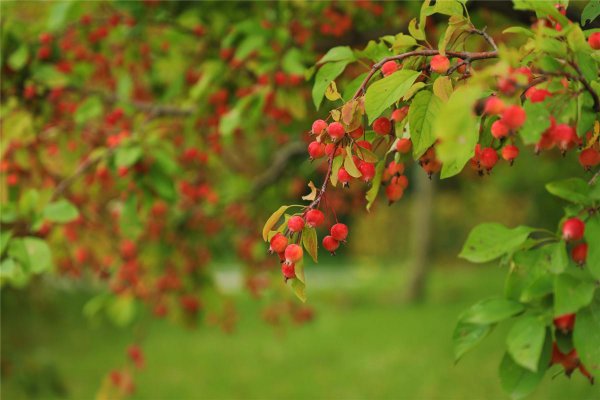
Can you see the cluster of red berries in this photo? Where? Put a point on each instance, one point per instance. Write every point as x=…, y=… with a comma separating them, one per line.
x=291, y=253
x=572, y=231
x=569, y=360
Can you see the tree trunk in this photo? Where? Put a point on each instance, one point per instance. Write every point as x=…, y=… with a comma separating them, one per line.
x=421, y=224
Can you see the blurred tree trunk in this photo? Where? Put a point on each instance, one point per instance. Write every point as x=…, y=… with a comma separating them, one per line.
x=421, y=226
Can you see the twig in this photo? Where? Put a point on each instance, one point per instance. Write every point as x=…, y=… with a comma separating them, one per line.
x=485, y=35
x=594, y=178
x=277, y=167
x=416, y=53
x=315, y=203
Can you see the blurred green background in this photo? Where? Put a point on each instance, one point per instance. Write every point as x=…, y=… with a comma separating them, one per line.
x=365, y=339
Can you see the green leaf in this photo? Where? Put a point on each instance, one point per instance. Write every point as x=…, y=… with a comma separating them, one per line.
x=32, y=253
x=448, y=7
x=248, y=45
x=421, y=116
x=340, y=53
x=129, y=223
x=519, y=30
x=349, y=164
x=592, y=235
x=292, y=62
x=457, y=128
x=351, y=87
x=571, y=294
x=121, y=310
x=572, y=189
x=309, y=241
x=585, y=113
x=588, y=66
x=489, y=241
x=128, y=155
x=376, y=185
x=61, y=211
x=538, y=120
x=58, y=14
x=272, y=221
x=554, y=257
x=18, y=59
x=466, y=336
x=5, y=237
x=325, y=75
x=90, y=108
x=590, y=12
x=50, y=76
x=492, y=310
x=525, y=342
x=417, y=33
x=519, y=382
x=442, y=88
x=335, y=167
x=299, y=289
x=542, y=9
x=385, y=92
x=374, y=51
x=586, y=337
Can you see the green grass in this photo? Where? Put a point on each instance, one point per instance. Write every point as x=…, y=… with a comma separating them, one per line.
x=364, y=343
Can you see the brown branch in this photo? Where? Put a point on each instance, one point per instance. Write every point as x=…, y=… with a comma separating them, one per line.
x=277, y=167
x=157, y=110
x=472, y=56
x=587, y=86
x=81, y=169
x=581, y=79
x=484, y=34
x=315, y=203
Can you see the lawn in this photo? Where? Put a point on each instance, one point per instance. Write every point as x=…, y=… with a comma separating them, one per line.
x=363, y=343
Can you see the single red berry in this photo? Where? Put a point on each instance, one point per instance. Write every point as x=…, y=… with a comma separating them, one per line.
x=367, y=170
x=564, y=136
x=395, y=168
x=565, y=323
x=499, y=129
x=45, y=38
x=382, y=126
x=389, y=68
x=489, y=158
x=278, y=243
x=330, y=147
x=330, y=244
x=293, y=253
x=579, y=253
x=364, y=144
x=335, y=131
x=439, y=64
x=510, y=152
x=343, y=176
x=493, y=106
x=514, y=117
x=357, y=133
x=394, y=192
x=319, y=126
x=339, y=232
x=507, y=86
x=403, y=145
x=589, y=158
x=295, y=223
x=128, y=249
x=399, y=114
x=573, y=229
x=316, y=150
x=314, y=218
x=288, y=270
x=594, y=40
x=44, y=52
x=536, y=95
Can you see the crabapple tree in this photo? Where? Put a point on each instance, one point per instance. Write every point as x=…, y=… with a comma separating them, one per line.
x=446, y=109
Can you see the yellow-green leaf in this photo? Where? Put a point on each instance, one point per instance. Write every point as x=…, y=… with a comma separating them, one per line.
x=272, y=221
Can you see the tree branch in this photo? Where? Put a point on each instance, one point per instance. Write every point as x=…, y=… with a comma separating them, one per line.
x=277, y=168
x=472, y=56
